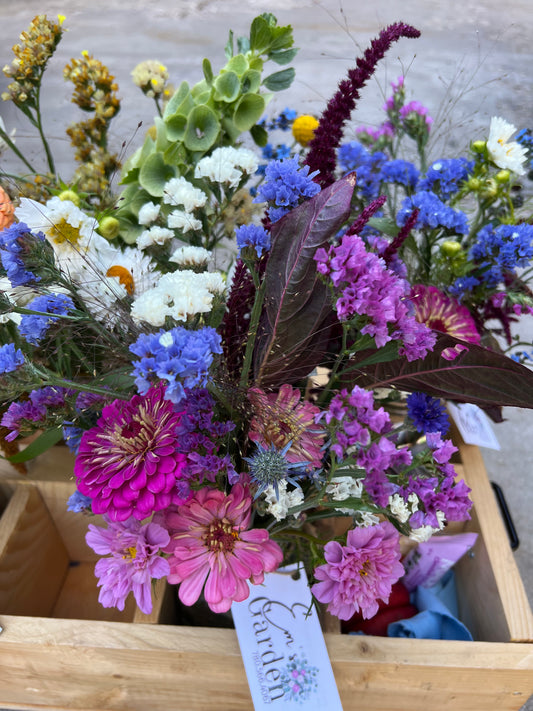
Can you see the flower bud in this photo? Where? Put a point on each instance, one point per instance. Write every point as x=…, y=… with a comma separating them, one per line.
x=109, y=227
x=502, y=176
x=70, y=195
x=479, y=146
x=450, y=248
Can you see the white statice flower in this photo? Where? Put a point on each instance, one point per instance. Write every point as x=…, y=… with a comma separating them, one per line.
x=278, y=506
x=68, y=229
x=184, y=221
x=148, y=213
x=365, y=519
x=178, y=191
x=155, y=235
x=189, y=257
x=399, y=508
x=227, y=165
x=507, y=155
x=341, y=488
x=179, y=295
x=424, y=533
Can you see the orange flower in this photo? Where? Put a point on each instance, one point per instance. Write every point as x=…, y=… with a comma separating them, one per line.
x=7, y=210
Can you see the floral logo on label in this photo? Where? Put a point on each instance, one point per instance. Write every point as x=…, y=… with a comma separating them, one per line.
x=299, y=679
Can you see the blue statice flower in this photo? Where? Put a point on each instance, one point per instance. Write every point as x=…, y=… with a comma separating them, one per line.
x=282, y=122
x=32, y=410
x=354, y=156
x=179, y=356
x=525, y=138
x=11, y=358
x=34, y=327
x=427, y=413
x=446, y=176
x=400, y=171
x=78, y=502
x=433, y=213
x=72, y=436
x=270, y=152
x=285, y=184
x=462, y=285
x=502, y=249
x=16, y=242
x=252, y=236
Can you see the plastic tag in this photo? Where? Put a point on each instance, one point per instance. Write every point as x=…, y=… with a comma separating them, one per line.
x=473, y=424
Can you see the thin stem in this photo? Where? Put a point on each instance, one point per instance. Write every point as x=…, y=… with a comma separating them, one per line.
x=252, y=333
x=16, y=151
x=38, y=124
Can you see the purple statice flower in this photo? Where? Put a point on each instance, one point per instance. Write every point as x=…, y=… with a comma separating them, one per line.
x=11, y=358
x=253, y=236
x=34, y=327
x=78, y=502
x=365, y=287
x=285, y=185
x=128, y=463
x=412, y=113
x=446, y=176
x=427, y=413
x=357, y=575
x=396, y=99
x=134, y=559
x=16, y=243
x=402, y=172
x=369, y=135
x=502, y=249
x=432, y=213
x=26, y=413
x=180, y=357
x=437, y=499
x=328, y=134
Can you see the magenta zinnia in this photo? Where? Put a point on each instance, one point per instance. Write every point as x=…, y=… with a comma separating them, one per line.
x=134, y=560
x=283, y=417
x=357, y=575
x=128, y=463
x=211, y=544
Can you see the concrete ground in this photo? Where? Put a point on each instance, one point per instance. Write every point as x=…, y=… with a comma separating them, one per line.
x=473, y=61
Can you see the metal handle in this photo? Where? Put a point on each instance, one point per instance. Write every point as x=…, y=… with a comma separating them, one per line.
x=506, y=515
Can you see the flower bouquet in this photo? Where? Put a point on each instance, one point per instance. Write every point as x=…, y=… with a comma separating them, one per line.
x=217, y=339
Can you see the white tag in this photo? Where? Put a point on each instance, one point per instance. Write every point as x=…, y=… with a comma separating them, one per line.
x=283, y=648
x=473, y=424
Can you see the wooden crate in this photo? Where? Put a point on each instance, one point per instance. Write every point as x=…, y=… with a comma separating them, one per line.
x=60, y=650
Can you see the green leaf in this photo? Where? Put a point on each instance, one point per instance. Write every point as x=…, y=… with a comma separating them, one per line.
x=228, y=49
x=43, y=442
x=250, y=81
x=208, y=71
x=176, y=126
x=385, y=225
x=202, y=129
x=154, y=174
x=260, y=135
x=280, y=80
x=237, y=64
x=227, y=87
x=243, y=45
x=260, y=35
x=177, y=98
x=176, y=154
x=281, y=38
x=283, y=56
x=249, y=110
x=298, y=315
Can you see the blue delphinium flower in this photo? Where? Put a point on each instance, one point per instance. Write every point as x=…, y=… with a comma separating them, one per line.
x=445, y=176
x=10, y=358
x=285, y=184
x=78, y=502
x=427, y=413
x=34, y=327
x=15, y=242
x=433, y=213
x=400, y=171
x=179, y=356
x=252, y=236
x=502, y=249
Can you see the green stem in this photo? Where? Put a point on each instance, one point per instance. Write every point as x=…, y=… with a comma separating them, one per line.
x=52, y=379
x=300, y=534
x=252, y=333
x=38, y=124
x=16, y=151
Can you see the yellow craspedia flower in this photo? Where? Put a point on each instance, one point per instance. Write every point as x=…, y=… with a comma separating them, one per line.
x=303, y=129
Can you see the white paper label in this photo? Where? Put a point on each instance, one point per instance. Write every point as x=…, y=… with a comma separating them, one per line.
x=283, y=648
x=473, y=424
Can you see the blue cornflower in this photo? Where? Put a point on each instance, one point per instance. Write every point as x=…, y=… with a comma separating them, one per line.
x=179, y=356
x=427, y=413
x=445, y=176
x=10, y=358
x=400, y=171
x=269, y=466
x=433, y=213
x=252, y=236
x=502, y=249
x=16, y=242
x=34, y=327
x=285, y=184
x=78, y=502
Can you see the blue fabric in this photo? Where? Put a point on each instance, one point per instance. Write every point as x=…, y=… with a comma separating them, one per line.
x=437, y=617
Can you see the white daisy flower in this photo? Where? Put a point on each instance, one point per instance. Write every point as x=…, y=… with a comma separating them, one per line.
x=227, y=165
x=155, y=235
x=178, y=191
x=148, y=213
x=191, y=257
x=184, y=221
x=507, y=155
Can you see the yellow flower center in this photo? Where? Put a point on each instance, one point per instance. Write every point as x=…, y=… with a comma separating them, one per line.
x=62, y=232
x=124, y=276
x=130, y=553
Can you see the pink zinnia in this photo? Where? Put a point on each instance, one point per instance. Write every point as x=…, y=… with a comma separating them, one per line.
x=128, y=463
x=357, y=575
x=135, y=560
x=283, y=417
x=443, y=313
x=210, y=544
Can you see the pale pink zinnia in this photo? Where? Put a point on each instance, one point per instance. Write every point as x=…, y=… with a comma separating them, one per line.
x=135, y=559
x=128, y=463
x=443, y=313
x=357, y=575
x=283, y=417
x=211, y=544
